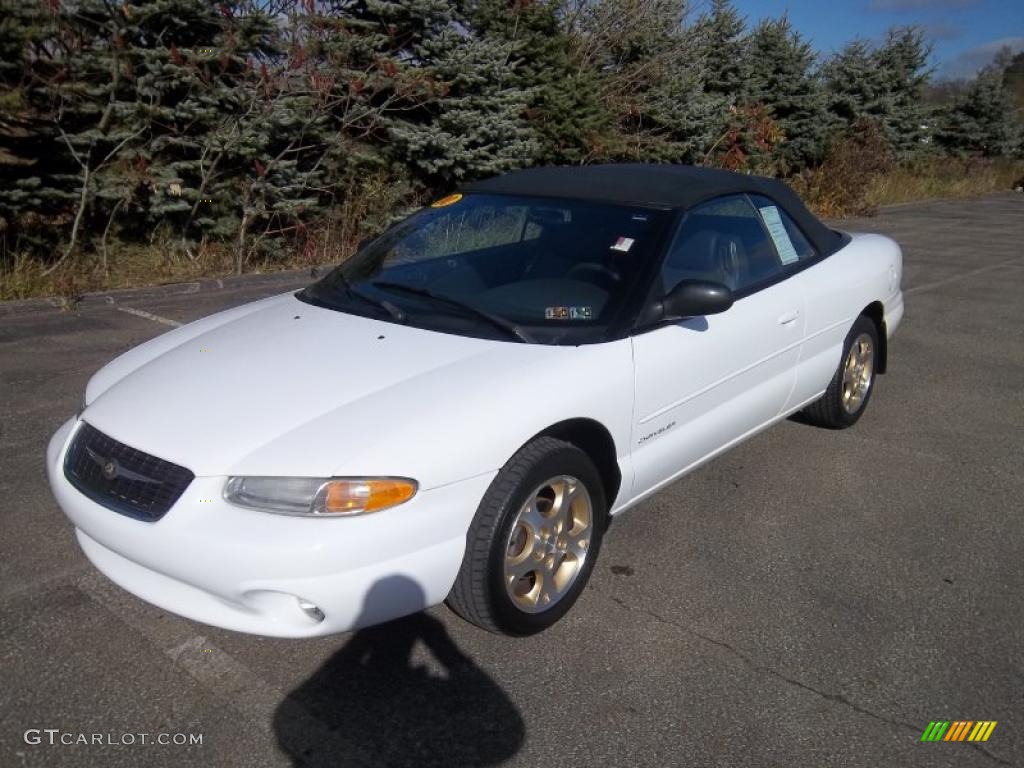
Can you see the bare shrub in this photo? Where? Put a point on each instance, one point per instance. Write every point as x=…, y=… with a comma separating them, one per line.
x=840, y=186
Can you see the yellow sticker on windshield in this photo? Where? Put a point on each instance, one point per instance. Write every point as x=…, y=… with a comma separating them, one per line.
x=450, y=200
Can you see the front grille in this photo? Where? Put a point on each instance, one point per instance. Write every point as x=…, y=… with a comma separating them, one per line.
x=121, y=478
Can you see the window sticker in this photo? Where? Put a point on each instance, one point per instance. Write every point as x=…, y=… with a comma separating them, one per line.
x=623, y=244
x=777, y=230
x=569, y=313
x=450, y=200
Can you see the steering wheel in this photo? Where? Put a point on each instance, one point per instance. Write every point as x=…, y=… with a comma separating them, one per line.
x=593, y=266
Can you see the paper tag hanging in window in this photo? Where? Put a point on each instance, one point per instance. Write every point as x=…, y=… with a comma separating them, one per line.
x=623, y=244
x=777, y=230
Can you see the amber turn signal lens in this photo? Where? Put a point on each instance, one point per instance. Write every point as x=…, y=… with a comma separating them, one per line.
x=352, y=497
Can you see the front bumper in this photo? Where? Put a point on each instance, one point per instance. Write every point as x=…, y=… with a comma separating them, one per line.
x=248, y=571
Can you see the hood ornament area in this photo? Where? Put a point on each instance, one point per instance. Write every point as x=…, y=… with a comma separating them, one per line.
x=112, y=469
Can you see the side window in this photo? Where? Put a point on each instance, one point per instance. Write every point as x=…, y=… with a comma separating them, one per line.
x=722, y=241
x=790, y=242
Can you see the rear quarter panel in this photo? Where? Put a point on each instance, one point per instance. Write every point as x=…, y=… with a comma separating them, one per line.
x=836, y=290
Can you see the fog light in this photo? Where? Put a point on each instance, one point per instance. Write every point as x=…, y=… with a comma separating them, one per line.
x=311, y=610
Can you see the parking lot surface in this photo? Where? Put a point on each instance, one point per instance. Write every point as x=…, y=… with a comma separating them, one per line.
x=811, y=598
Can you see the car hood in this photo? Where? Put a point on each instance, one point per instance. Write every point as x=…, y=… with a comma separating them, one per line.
x=277, y=387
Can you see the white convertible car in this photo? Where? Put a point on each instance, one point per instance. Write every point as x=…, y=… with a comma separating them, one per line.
x=464, y=404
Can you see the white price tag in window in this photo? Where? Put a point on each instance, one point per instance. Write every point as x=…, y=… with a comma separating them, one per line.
x=777, y=230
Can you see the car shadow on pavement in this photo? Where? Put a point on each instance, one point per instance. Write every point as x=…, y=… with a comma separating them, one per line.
x=383, y=706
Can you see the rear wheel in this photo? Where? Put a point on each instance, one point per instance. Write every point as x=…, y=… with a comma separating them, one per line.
x=533, y=542
x=850, y=389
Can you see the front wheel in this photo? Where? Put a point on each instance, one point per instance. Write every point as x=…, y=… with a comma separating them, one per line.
x=850, y=389
x=533, y=542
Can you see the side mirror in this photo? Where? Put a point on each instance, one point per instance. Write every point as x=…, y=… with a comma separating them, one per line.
x=696, y=298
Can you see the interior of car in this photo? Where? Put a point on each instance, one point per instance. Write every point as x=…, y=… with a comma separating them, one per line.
x=565, y=257
x=732, y=250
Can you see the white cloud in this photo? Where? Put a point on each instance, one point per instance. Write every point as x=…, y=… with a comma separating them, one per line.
x=969, y=62
x=942, y=30
x=920, y=5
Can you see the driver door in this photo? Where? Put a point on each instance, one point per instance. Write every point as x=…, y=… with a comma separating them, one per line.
x=704, y=383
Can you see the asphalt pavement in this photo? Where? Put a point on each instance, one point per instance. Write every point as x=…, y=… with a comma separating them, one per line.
x=812, y=598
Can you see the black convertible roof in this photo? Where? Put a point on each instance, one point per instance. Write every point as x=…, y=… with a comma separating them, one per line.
x=663, y=186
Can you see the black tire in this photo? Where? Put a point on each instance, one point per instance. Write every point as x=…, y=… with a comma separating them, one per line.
x=829, y=411
x=479, y=595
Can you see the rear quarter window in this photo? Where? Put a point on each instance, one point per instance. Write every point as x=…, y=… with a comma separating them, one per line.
x=790, y=242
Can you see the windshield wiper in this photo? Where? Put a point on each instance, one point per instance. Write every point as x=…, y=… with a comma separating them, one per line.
x=498, y=322
x=349, y=290
x=387, y=306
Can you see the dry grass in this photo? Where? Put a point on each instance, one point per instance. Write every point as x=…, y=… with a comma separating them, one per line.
x=167, y=260
x=846, y=185
x=839, y=186
x=945, y=177
x=133, y=266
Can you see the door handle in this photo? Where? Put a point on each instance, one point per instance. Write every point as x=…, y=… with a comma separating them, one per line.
x=789, y=317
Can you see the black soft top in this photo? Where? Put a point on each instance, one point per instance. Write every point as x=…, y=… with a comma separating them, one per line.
x=661, y=186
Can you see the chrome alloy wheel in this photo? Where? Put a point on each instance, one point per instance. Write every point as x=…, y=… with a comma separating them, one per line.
x=857, y=373
x=548, y=544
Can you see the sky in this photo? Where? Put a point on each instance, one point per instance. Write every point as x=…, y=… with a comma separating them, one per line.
x=966, y=33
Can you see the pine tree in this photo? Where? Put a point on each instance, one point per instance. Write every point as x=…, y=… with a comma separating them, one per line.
x=780, y=75
x=903, y=59
x=1013, y=79
x=720, y=36
x=855, y=87
x=477, y=125
x=30, y=158
x=884, y=84
x=651, y=79
x=94, y=126
x=982, y=121
x=564, y=107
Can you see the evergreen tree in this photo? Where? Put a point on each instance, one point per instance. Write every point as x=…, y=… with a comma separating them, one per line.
x=564, y=108
x=720, y=36
x=28, y=141
x=854, y=86
x=477, y=124
x=1013, y=79
x=982, y=121
x=779, y=75
x=903, y=59
x=651, y=81
x=93, y=125
x=884, y=84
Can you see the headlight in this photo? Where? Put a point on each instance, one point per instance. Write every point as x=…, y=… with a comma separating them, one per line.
x=316, y=496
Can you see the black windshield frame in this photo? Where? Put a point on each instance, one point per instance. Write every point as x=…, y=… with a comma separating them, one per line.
x=363, y=269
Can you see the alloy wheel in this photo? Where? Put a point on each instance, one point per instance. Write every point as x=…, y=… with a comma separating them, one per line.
x=548, y=544
x=857, y=373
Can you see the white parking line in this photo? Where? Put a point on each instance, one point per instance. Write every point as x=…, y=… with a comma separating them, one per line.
x=150, y=316
x=961, y=276
x=226, y=678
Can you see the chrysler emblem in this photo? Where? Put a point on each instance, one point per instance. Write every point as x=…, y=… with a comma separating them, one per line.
x=111, y=470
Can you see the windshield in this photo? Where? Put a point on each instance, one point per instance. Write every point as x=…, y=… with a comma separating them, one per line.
x=518, y=268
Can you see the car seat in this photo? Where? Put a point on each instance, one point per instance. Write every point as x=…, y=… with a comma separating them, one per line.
x=707, y=255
